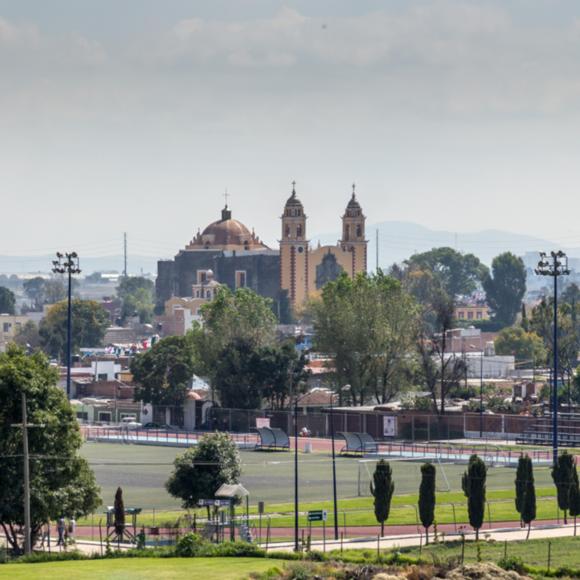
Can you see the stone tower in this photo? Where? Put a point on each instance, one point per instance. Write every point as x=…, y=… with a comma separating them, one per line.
x=353, y=235
x=294, y=251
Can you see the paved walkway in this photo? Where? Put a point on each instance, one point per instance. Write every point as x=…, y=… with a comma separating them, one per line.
x=399, y=541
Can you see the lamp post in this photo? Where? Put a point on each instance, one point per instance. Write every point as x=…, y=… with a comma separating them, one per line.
x=296, y=530
x=334, y=494
x=67, y=263
x=554, y=265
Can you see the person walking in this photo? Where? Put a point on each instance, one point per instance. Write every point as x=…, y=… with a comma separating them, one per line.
x=60, y=528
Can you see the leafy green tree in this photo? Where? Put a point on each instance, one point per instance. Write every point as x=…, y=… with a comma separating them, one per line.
x=7, y=301
x=61, y=482
x=574, y=499
x=382, y=489
x=201, y=470
x=505, y=288
x=473, y=485
x=163, y=374
x=525, y=491
x=427, y=497
x=458, y=273
x=137, y=295
x=55, y=290
x=527, y=347
x=367, y=323
x=562, y=475
x=89, y=323
x=230, y=316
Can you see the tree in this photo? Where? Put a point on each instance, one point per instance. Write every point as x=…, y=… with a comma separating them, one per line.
x=505, y=288
x=367, y=324
x=61, y=482
x=163, y=374
x=382, y=489
x=28, y=336
x=527, y=347
x=439, y=371
x=574, y=499
x=562, y=475
x=201, y=470
x=34, y=290
x=473, y=485
x=459, y=273
x=525, y=491
x=230, y=316
x=119, y=507
x=7, y=301
x=55, y=290
x=89, y=323
x=137, y=295
x=427, y=497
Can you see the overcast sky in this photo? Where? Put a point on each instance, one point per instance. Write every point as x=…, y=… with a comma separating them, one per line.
x=136, y=115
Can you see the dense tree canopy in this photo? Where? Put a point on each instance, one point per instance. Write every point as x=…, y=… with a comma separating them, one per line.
x=7, y=301
x=163, y=374
x=61, y=481
x=459, y=273
x=527, y=347
x=201, y=470
x=89, y=323
x=367, y=324
x=137, y=295
x=505, y=288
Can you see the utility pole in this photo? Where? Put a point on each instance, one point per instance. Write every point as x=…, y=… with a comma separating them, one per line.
x=67, y=263
x=555, y=265
x=125, y=254
x=25, y=425
x=377, y=248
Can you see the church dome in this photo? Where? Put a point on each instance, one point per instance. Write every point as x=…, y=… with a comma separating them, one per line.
x=293, y=201
x=226, y=233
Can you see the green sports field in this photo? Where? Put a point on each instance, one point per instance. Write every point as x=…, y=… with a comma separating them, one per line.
x=143, y=470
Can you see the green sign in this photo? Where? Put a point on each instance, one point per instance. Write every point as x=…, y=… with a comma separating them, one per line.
x=317, y=516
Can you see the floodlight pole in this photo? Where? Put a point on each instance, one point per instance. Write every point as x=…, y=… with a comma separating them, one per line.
x=67, y=263
x=296, y=530
x=481, y=387
x=556, y=266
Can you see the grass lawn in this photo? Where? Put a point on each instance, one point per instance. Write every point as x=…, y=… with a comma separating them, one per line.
x=564, y=551
x=142, y=568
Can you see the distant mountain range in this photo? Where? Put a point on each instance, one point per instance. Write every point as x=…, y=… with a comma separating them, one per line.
x=396, y=242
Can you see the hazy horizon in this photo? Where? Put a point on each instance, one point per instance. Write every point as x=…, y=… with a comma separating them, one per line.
x=137, y=115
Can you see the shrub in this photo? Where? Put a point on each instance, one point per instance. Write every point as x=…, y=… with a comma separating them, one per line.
x=189, y=546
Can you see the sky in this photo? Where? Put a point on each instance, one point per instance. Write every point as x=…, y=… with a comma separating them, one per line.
x=137, y=115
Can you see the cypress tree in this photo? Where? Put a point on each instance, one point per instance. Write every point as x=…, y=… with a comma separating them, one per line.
x=528, y=500
x=520, y=485
x=119, y=508
x=473, y=484
x=427, y=497
x=382, y=488
x=562, y=477
x=574, y=499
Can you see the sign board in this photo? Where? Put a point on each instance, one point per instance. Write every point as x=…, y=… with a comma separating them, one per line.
x=213, y=502
x=261, y=507
x=262, y=422
x=389, y=426
x=317, y=516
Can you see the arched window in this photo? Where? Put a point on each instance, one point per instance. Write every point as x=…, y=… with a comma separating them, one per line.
x=346, y=233
x=358, y=231
x=298, y=231
x=287, y=231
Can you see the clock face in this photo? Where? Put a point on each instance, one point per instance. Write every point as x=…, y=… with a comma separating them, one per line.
x=300, y=249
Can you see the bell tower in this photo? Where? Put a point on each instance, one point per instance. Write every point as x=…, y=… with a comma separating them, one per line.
x=353, y=235
x=294, y=250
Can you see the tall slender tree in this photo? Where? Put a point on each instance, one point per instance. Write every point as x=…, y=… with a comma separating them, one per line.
x=525, y=492
x=382, y=488
x=562, y=474
x=427, y=497
x=574, y=499
x=473, y=484
x=119, y=507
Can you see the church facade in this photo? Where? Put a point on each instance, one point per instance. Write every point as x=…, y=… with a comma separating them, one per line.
x=229, y=253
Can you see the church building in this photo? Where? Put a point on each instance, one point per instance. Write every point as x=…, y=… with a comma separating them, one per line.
x=228, y=253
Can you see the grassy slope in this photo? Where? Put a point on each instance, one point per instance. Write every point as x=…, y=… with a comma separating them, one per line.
x=139, y=568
